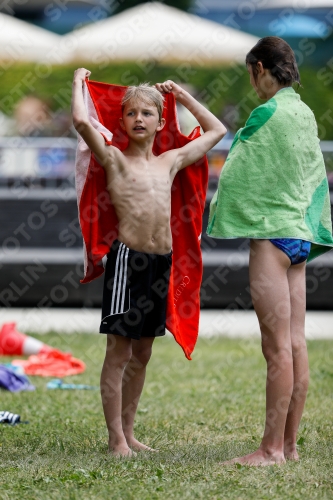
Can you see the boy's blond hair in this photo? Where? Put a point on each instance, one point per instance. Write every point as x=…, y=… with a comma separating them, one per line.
x=146, y=93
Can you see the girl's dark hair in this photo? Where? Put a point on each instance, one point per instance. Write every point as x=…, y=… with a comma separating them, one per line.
x=277, y=56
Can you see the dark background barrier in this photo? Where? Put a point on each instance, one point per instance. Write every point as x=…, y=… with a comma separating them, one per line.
x=42, y=257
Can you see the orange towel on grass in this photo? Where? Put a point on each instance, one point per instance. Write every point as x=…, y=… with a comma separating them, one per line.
x=51, y=364
x=99, y=222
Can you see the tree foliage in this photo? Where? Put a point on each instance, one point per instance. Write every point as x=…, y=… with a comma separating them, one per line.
x=218, y=88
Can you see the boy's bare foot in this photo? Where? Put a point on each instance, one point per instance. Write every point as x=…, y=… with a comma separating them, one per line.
x=134, y=444
x=258, y=459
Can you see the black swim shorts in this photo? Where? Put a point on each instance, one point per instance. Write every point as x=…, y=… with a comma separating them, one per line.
x=135, y=292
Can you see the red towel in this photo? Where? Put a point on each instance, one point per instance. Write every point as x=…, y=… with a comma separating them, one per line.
x=99, y=222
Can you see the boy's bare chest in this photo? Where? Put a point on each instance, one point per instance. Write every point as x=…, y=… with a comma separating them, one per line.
x=147, y=180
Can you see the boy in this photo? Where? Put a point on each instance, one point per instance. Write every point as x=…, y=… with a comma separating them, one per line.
x=139, y=185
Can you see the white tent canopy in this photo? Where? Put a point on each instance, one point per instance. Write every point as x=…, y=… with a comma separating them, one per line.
x=21, y=41
x=155, y=32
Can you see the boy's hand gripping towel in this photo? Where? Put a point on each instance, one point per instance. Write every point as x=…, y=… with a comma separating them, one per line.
x=274, y=183
x=98, y=219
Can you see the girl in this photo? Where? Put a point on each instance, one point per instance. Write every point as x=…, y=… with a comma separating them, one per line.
x=273, y=189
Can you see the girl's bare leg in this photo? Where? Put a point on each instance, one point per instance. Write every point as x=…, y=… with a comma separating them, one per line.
x=118, y=354
x=296, y=279
x=133, y=380
x=271, y=300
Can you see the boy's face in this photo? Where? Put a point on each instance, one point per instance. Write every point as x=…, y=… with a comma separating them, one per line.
x=141, y=120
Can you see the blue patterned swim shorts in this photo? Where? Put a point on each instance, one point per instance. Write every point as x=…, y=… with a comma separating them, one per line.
x=297, y=250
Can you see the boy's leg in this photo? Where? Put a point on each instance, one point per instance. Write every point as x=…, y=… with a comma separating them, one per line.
x=118, y=354
x=271, y=300
x=133, y=381
x=296, y=278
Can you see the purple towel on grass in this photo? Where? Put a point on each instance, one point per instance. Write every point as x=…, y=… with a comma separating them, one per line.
x=14, y=382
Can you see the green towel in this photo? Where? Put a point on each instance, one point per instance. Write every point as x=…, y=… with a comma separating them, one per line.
x=273, y=183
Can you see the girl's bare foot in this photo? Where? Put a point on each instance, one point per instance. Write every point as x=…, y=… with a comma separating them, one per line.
x=134, y=444
x=122, y=451
x=290, y=451
x=291, y=455
x=258, y=459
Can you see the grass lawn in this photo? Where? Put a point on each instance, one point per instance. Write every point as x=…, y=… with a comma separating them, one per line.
x=196, y=413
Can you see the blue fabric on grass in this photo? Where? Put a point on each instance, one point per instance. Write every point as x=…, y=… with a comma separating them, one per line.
x=57, y=383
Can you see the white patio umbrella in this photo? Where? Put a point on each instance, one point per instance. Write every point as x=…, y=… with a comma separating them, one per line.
x=21, y=41
x=154, y=31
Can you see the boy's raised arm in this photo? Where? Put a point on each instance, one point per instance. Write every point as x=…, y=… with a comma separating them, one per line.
x=213, y=129
x=81, y=122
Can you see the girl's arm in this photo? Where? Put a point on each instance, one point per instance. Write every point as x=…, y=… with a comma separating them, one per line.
x=213, y=129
